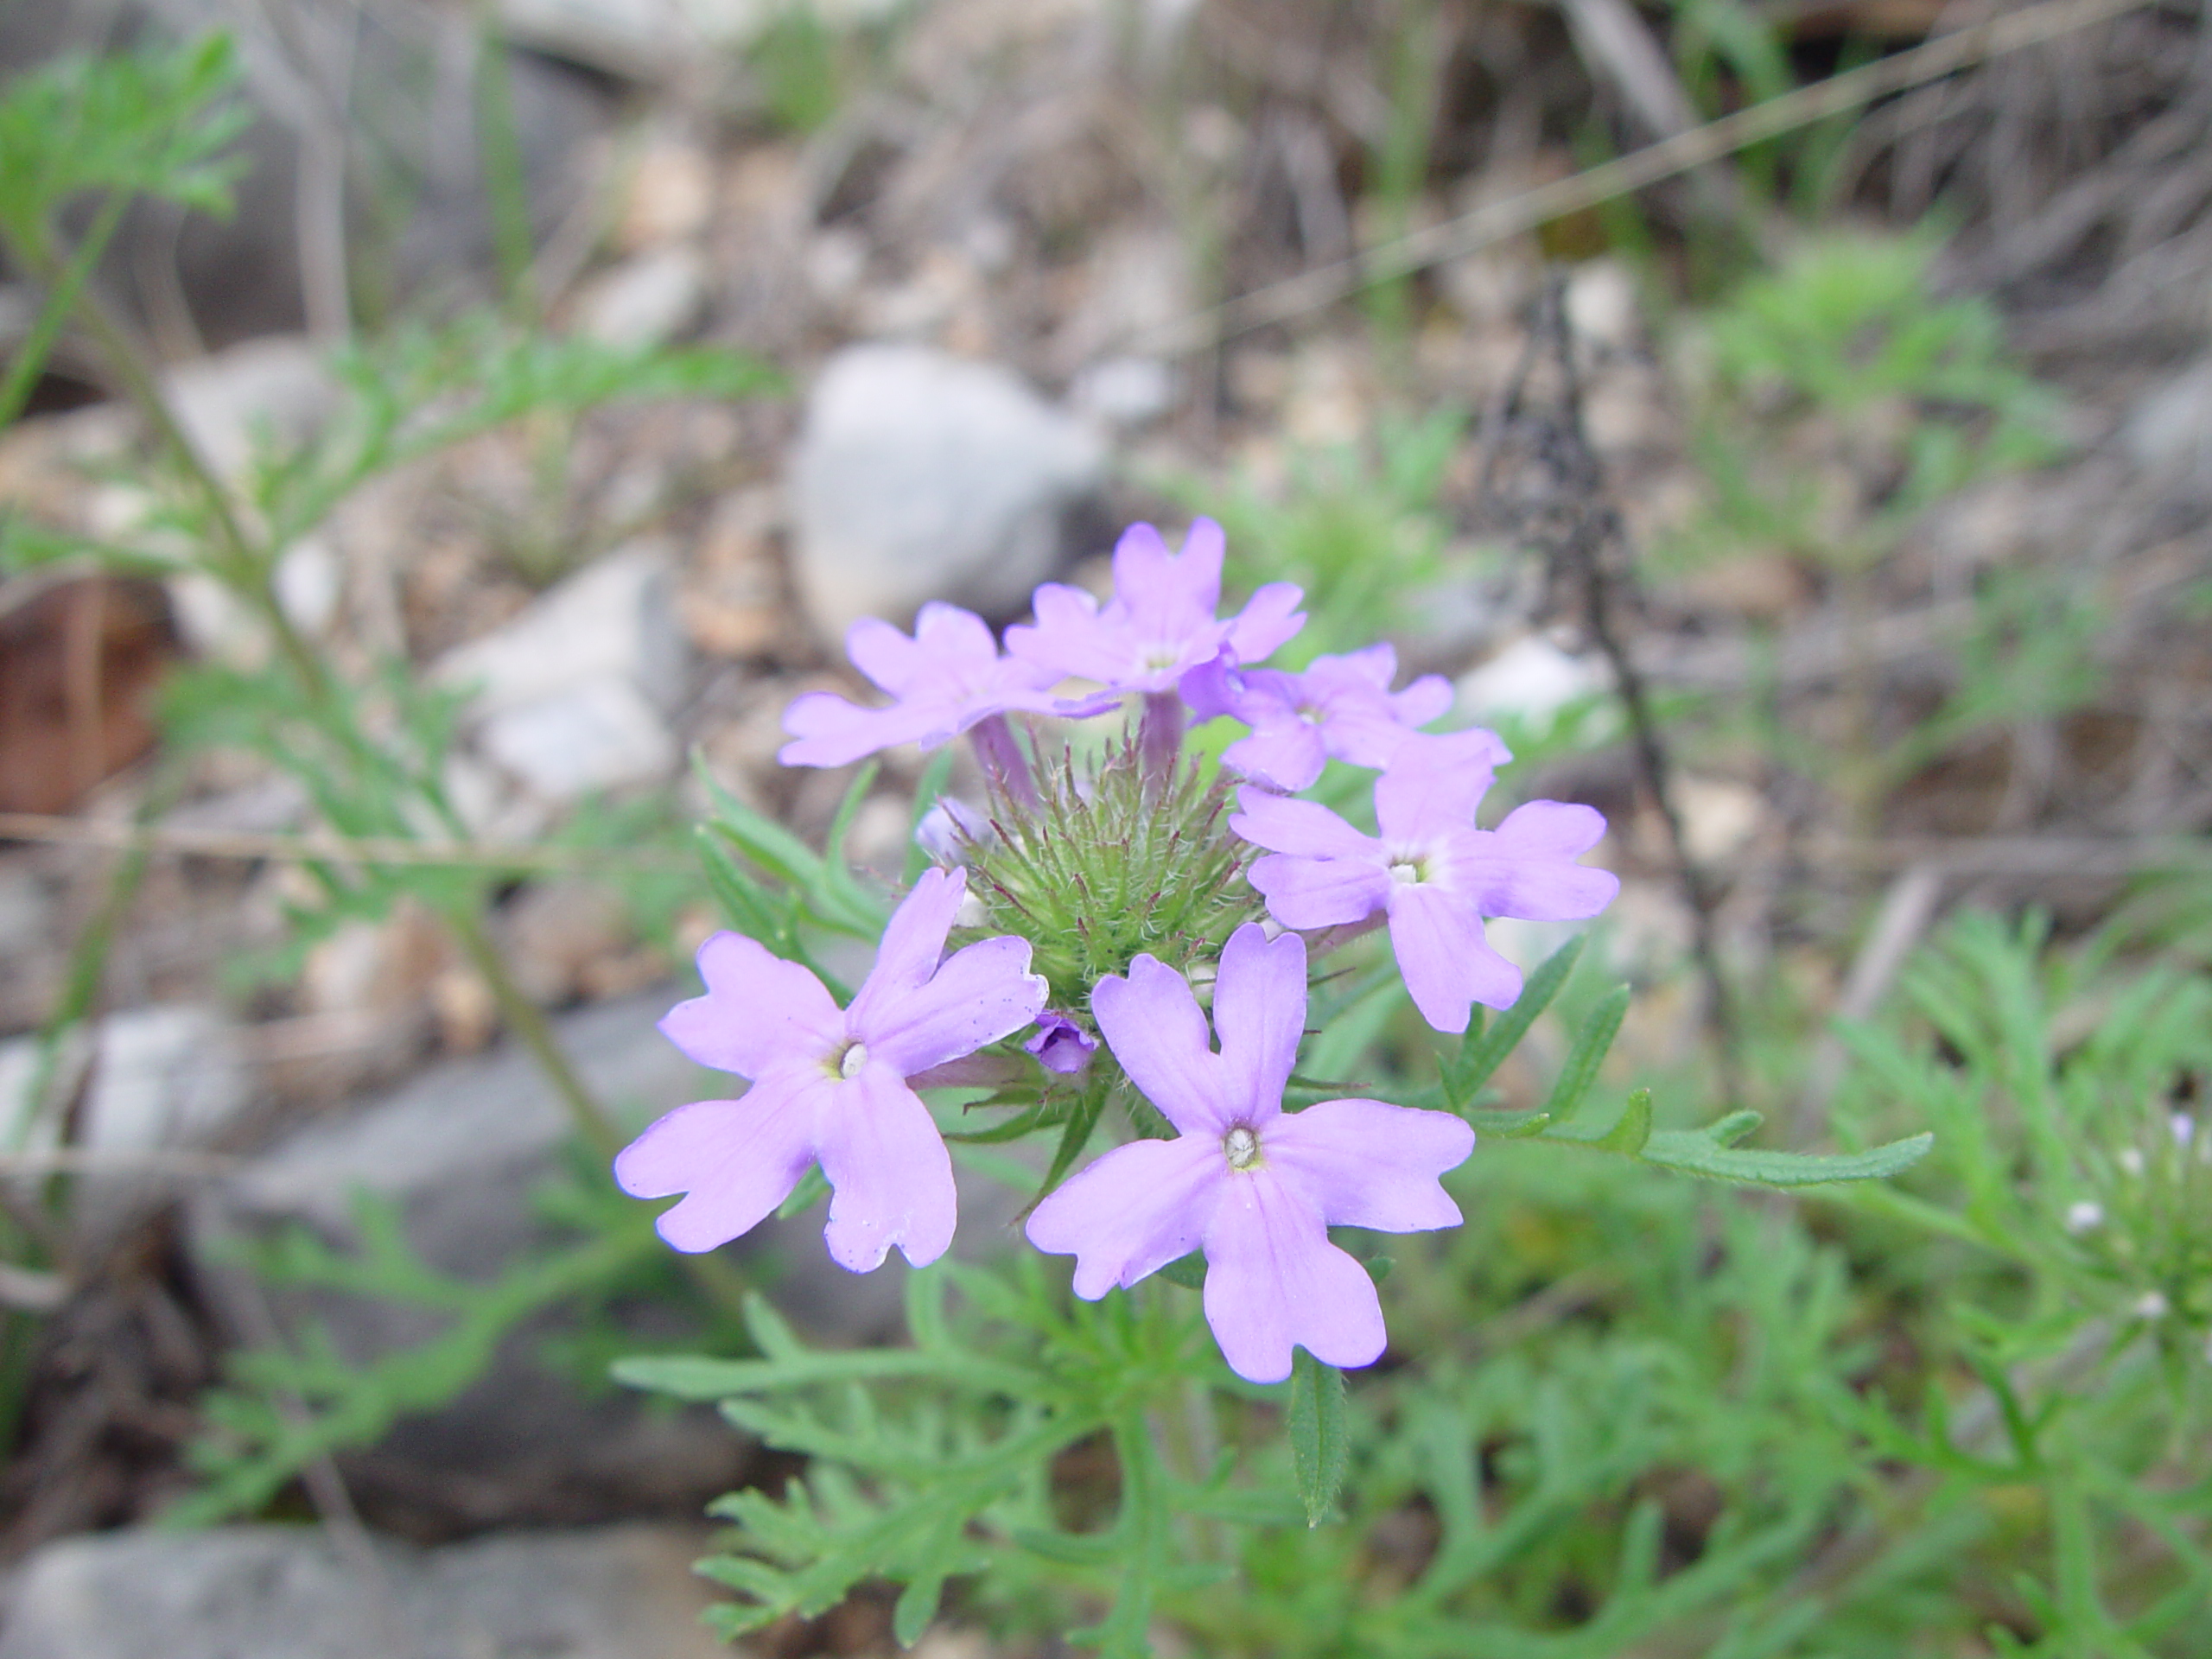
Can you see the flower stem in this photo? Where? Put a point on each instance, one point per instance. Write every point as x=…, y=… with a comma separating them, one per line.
x=717, y=1279
x=1000, y=751
x=1160, y=734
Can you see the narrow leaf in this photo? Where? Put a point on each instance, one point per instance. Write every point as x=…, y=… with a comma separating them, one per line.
x=1695, y=1152
x=1484, y=1052
x=1634, y=1129
x=837, y=898
x=1317, y=1448
x=1188, y=1271
x=1591, y=1044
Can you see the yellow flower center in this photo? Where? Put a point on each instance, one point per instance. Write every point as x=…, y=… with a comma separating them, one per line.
x=1242, y=1148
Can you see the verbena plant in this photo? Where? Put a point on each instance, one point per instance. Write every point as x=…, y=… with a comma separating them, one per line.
x=1146, y=942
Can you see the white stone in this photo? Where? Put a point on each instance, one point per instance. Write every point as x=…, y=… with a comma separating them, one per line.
x=599, y=733
x=156, y=1080
x=645, y=301
x=1125, y=391
x=277, y=389
x=1601, y=304
x=919, y=476
x=2171, y=427
x=1531, y=679
x=217, y=624
x=671, y=196
x=569, y=696
x=616, y=616
x=1720, y=817
x=291, y=1593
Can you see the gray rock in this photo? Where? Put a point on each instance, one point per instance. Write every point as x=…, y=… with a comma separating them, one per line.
x=921, y=475
x=2170, y=430
x=277, y=392
x=646, y=300
x=154, y=1082
x=287, y=1592
x=461, y=1150
x=569, y=696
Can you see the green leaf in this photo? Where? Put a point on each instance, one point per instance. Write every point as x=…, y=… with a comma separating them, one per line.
x=1591, y=1044
x=1319, y=1446
x=1482, y=1052
x=837, y=899
x=1507, y=1126
x=767, y=842
x=1188, y=1271
x=1070, y=1549
x=1633, y=1132
x=917, y=1606
x=813, y=1188
x=1704, y=1152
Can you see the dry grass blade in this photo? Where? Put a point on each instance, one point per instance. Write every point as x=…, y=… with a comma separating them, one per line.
x=325, y=849
x=1279, y=301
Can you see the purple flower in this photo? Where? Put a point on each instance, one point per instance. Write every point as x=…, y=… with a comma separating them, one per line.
x=1432, y=872
x=947, y=677
x=1060, y=1044
x=1161, y=623
x=829, y=1085
x=1340, y=705
x=1256, y=1188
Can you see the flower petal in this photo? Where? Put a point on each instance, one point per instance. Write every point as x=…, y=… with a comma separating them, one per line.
x=1365, y=1163
x=1259, y=1015
x=1444, y=959
x=913, y=942
x=737, y=1159
x=1524, y=867
x=1163, y=596
x=950, y=636
x=1069, y=637
x=1274, y=1281
x=890, y=1176
x=1152, y=1022
x=1430, y=698
x=984, y=992
x=1268, y=621
x=1320, y=891
x=1131, y=1212
x=1284, y=752
x=1307, y=828
x=1435, y=781
x=892, y=661
x=758, y=1009
x=829, y=730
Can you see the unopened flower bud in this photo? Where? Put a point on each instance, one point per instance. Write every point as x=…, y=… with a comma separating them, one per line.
x=2085, y=1216
x=2130, y=1159
x=2150, y=1305
x=1060, y=1044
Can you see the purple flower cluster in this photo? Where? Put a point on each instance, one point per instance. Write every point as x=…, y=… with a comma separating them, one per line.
x=1254, y=1186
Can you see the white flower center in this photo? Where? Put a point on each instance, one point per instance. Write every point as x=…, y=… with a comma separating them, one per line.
x=1242, y=1148
x=1405, y=871
x=854, y=1058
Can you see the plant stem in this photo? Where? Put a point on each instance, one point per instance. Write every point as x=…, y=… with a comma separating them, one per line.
x=506, y=185
x=717, y=1279
x=61, y=299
